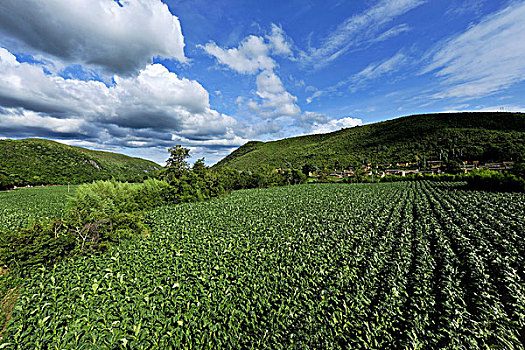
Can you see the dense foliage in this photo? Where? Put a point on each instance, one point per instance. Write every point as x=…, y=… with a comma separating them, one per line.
x=232, y=179
x=393, y=265
x=101, y=199
x=495, y=181
x=36, y=162
x=468, y=136
x=201, y=183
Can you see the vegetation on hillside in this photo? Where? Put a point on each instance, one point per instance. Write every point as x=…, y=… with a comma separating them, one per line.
x=37, y=162
x=455, y=136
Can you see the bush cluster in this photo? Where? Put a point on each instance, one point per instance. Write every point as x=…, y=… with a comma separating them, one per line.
x=428, y=177
x=495, y=181
x=102, y=199
x=232, y=179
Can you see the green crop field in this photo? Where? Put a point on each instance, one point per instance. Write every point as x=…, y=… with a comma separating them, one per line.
x=24, y=206
x=392, y=265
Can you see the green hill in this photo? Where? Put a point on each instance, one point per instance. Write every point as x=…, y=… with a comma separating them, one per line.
x=466, y=136
x=37, y=161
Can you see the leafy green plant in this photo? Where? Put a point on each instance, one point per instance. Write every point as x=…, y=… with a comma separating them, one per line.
x=100, y=199
x=35, y=246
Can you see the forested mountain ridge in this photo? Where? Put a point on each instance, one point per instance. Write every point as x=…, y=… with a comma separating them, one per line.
x=39, y=161
x=483, y=136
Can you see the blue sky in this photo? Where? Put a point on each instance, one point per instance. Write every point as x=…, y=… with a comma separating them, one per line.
x=139, y=76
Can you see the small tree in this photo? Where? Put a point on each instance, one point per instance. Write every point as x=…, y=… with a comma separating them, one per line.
x=308, y=168
x=199, y=167
x=519, y=170
x=176, y=164
x=452, y=167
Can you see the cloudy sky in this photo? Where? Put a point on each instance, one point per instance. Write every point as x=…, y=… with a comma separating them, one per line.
x=139, y=76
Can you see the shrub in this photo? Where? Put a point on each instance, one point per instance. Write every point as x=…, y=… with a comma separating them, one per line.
x=35, y=246
x=45, y=245
x=100, y=199
x=150, y=194
x=495, y=181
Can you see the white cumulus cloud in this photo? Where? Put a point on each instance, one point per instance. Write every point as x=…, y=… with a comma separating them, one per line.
x=254, y=53
x=335, y=124
x=147, y=110
x=279, y=43
x=251, y=56
x=100, y=33
x=254, y=56
x=276, y=101
x=317, y=123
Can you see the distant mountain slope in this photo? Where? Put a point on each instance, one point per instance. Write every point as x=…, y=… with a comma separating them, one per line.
x=38, y=161
x=472, y=136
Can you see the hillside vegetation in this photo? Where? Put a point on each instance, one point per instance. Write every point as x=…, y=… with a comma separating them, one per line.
x=465, y=136
x=38, y=161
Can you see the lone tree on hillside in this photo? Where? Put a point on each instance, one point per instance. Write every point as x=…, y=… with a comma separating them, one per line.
x=176, y=163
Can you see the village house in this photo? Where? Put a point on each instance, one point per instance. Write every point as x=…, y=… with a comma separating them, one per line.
x=434, y=164
x=499, y=166
x=337, y=174
x=398, y=172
